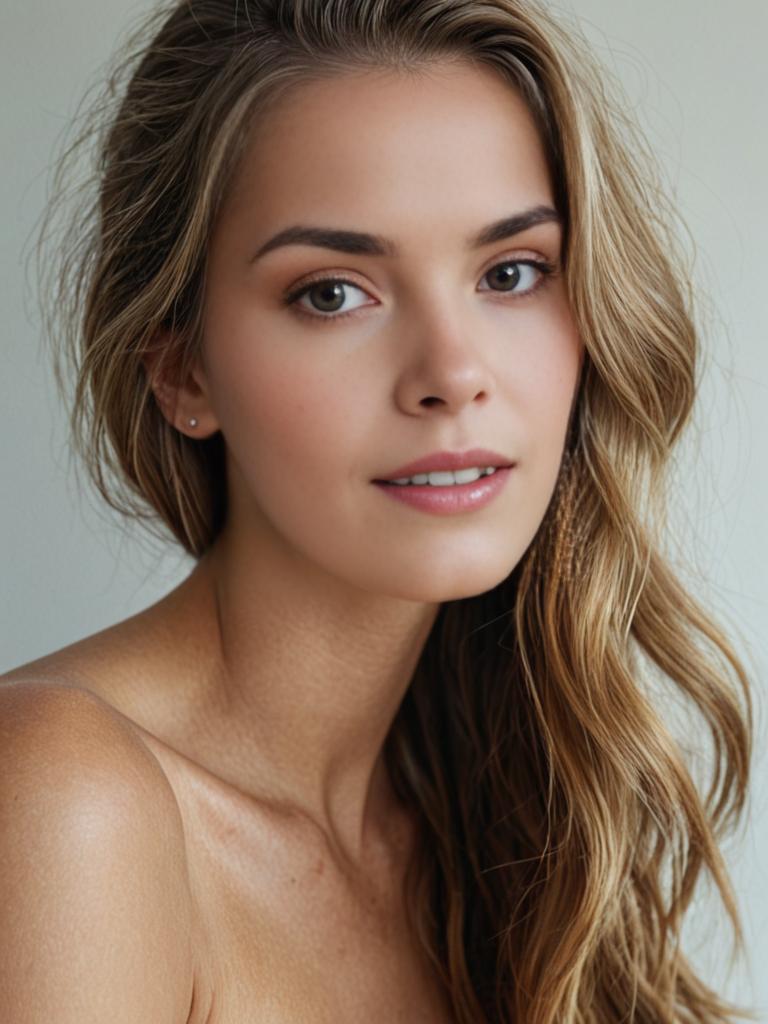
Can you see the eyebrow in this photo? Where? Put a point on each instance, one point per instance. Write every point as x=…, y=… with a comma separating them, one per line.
x=360, y=243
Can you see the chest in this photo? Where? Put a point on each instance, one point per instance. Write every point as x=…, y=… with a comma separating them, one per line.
x=280, y=940
x=248, y=974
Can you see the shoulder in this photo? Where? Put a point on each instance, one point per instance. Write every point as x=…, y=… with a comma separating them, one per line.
x=68, y=735
x=93, y=881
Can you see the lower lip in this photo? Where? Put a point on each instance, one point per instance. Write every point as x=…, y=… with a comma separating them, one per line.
x=447, y=501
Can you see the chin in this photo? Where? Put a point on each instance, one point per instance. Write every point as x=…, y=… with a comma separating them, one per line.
x=451, y=584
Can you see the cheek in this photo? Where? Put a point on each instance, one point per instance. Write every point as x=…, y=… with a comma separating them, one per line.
x=543, y=375
x=542, y=381
x=285, y=414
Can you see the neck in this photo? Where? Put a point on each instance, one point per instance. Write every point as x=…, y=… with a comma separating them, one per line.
x=301, y=677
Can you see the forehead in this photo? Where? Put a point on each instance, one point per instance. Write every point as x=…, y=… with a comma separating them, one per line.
x=408, y=148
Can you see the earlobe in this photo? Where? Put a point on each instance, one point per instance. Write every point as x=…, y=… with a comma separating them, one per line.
x=183, y=403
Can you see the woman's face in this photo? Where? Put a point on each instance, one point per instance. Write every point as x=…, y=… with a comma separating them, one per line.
x=448, y=345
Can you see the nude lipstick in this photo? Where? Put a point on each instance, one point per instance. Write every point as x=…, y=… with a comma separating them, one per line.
x=443, y=498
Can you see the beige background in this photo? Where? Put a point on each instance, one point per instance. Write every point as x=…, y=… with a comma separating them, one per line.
x=695, y=74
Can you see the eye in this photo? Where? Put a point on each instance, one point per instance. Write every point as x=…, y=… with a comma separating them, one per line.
x=327, y=295
x=516, y=278
x=519, y=277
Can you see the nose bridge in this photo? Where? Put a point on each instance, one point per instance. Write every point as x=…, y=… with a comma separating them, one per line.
x=444, y=362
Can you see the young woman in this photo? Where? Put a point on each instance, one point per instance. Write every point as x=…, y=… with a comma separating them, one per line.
x=378, y=311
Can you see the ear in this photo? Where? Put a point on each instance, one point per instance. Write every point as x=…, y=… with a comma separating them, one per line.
x=180, y=400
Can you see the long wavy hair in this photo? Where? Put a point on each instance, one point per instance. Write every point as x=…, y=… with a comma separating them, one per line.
x=562, y=833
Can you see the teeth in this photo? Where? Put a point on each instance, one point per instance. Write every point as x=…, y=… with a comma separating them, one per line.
x=445, y=478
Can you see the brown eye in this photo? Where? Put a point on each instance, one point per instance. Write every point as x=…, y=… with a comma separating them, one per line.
x=508, y=275
x=325, y=296
x=328, y=296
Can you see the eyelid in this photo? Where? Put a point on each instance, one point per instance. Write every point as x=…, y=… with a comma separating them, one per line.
x=340, y=275
x=547, y=267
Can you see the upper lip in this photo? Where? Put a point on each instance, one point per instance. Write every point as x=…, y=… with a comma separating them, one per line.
x=437, y=461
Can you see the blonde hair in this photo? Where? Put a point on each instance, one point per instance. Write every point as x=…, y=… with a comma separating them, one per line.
x=562, y=834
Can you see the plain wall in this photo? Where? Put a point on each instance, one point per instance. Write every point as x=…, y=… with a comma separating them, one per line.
x=695, y=74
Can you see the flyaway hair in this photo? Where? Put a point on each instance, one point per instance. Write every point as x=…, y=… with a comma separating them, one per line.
x=563, y=836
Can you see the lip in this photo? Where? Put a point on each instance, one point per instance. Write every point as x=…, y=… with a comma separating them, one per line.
x=436, y=461
x=446, y=501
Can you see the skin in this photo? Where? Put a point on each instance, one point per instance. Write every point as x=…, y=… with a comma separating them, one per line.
x=310, y=611
x=262, y=688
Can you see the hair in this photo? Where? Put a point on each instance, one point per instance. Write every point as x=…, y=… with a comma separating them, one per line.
x=562, y=835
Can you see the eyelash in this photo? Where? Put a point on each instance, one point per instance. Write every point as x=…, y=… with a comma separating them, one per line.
x=291, y=298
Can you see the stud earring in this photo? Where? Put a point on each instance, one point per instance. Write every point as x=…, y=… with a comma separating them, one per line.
x=193, y=422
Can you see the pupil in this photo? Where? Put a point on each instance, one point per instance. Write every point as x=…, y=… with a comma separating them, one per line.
x=330, y=293
x=508, y=274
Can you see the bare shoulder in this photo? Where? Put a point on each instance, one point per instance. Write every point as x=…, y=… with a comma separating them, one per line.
x=69, y=734
x=93, y=876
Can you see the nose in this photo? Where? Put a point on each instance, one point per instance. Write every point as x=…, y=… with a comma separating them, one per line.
x=445, y=368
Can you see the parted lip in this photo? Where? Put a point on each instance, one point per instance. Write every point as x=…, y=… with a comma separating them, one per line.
x=436, y=461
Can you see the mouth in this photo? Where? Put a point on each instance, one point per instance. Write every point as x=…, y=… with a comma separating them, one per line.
x=448, y=496
x=447, y=468
x=445, y=478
